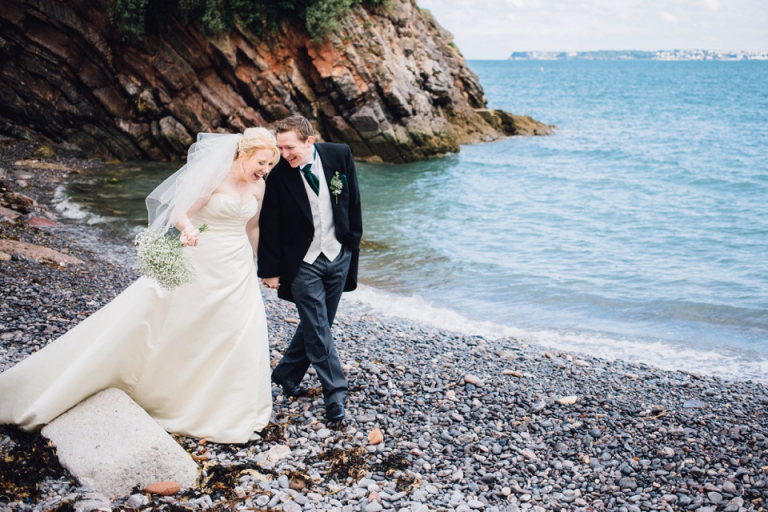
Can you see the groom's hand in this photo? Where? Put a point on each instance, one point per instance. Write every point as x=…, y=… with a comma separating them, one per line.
x=273, y=283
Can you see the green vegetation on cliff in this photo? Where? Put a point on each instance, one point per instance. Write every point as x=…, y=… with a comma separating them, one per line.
x=134, y=18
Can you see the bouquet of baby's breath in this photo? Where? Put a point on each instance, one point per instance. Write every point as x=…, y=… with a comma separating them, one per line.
x=160, y=257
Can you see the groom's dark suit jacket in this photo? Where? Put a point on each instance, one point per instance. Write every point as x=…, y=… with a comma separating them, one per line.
x=286, y=227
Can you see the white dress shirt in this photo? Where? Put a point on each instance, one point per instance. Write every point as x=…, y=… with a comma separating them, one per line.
x=324, y=240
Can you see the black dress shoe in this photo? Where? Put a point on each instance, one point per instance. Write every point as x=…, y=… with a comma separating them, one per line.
x=291, y=390
x=335, y=412
x=296, y=391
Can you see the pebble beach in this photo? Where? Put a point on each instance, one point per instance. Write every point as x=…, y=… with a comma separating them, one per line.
x=435, y=420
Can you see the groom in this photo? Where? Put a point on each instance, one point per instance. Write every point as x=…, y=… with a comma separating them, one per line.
x=311, y=224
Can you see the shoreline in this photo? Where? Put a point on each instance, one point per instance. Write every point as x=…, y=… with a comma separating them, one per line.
x=468, y=423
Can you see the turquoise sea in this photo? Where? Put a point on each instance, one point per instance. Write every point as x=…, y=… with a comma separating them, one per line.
x=638, y=231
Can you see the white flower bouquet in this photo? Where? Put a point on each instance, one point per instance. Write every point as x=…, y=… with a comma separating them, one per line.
x=161, y=257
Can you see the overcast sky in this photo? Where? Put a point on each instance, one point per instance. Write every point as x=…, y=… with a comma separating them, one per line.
x=492, y=29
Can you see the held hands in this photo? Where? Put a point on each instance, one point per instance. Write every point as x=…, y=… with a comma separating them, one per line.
x=189, y=236
x=273, y=283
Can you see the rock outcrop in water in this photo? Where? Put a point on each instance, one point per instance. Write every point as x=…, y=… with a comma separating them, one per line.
x=390, y=83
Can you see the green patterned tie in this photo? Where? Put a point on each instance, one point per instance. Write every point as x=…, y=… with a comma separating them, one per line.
x=314, y=183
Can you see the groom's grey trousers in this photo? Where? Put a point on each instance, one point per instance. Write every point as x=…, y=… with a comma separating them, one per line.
x=317, y=290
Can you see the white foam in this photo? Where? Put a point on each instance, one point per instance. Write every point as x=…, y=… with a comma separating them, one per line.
x=659, y=353
x=71, y=210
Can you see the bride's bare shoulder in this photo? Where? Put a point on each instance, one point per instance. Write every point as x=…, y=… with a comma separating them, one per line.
x=259, y=191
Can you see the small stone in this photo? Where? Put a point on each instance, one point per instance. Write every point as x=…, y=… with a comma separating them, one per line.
x=528, y=454
x=136, y=501
x=373, y=507
x=298, y=484
x=278, y=452
x=292, y=506
x=365, y=483
x=163, y=488
x=715, y=497
x=729, y=487
x=567, y=400
x=538, y=406
x=667, y=452
x=463, y=439
x=583, y=364
x=375, y=436
x=472, y=379
x=694, y=404
x=283, y=482
x=514, y=373
x=476, y=504
x=323, y=433
x=628, y=483
x=458, y=475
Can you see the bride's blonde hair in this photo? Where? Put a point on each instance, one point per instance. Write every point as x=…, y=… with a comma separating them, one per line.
x=255, y=139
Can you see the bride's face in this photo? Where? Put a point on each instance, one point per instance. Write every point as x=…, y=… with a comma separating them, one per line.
x=257, y=166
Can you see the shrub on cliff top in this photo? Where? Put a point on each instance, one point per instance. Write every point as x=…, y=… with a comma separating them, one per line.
x=134, y=18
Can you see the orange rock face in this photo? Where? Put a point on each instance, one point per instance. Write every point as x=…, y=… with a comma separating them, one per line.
x=390, y=83
x=163, y=488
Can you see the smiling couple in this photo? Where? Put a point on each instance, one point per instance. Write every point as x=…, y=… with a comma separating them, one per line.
x=196, y=356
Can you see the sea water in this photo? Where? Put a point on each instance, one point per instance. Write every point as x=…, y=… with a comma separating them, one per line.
x=639, y=230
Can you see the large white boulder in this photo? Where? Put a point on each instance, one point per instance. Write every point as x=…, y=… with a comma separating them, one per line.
x=110, y=445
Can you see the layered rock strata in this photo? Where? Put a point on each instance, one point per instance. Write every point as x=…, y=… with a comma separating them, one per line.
x=390, y=83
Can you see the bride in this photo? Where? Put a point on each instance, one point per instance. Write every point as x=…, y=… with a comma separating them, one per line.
x=196, y=357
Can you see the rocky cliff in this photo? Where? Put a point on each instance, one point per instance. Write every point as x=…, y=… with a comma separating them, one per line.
x=390, y=83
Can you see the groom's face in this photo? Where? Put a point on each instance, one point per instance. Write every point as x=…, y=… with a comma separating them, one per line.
x=295, y=151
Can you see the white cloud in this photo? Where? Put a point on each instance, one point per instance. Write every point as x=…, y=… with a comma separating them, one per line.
x=668, y=17
x=710, y=5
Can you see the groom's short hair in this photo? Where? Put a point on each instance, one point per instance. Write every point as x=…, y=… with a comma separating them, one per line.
x=297, y=124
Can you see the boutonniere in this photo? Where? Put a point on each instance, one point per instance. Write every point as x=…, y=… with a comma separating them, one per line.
x=337, y=184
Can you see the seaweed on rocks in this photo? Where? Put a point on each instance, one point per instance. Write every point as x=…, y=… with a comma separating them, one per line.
x=273, y=432
x=220, y=479
x=25, y=460
x=391, y=464
x=349, y=463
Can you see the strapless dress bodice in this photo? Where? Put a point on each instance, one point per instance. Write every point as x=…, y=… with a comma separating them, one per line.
x=224, y=212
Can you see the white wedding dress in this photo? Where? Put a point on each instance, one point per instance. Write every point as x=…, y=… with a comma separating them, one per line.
x=195, y=358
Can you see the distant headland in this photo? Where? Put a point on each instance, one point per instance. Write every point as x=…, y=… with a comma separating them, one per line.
x=642, y=55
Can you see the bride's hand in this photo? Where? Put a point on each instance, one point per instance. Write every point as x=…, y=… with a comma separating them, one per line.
x=189, y=236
